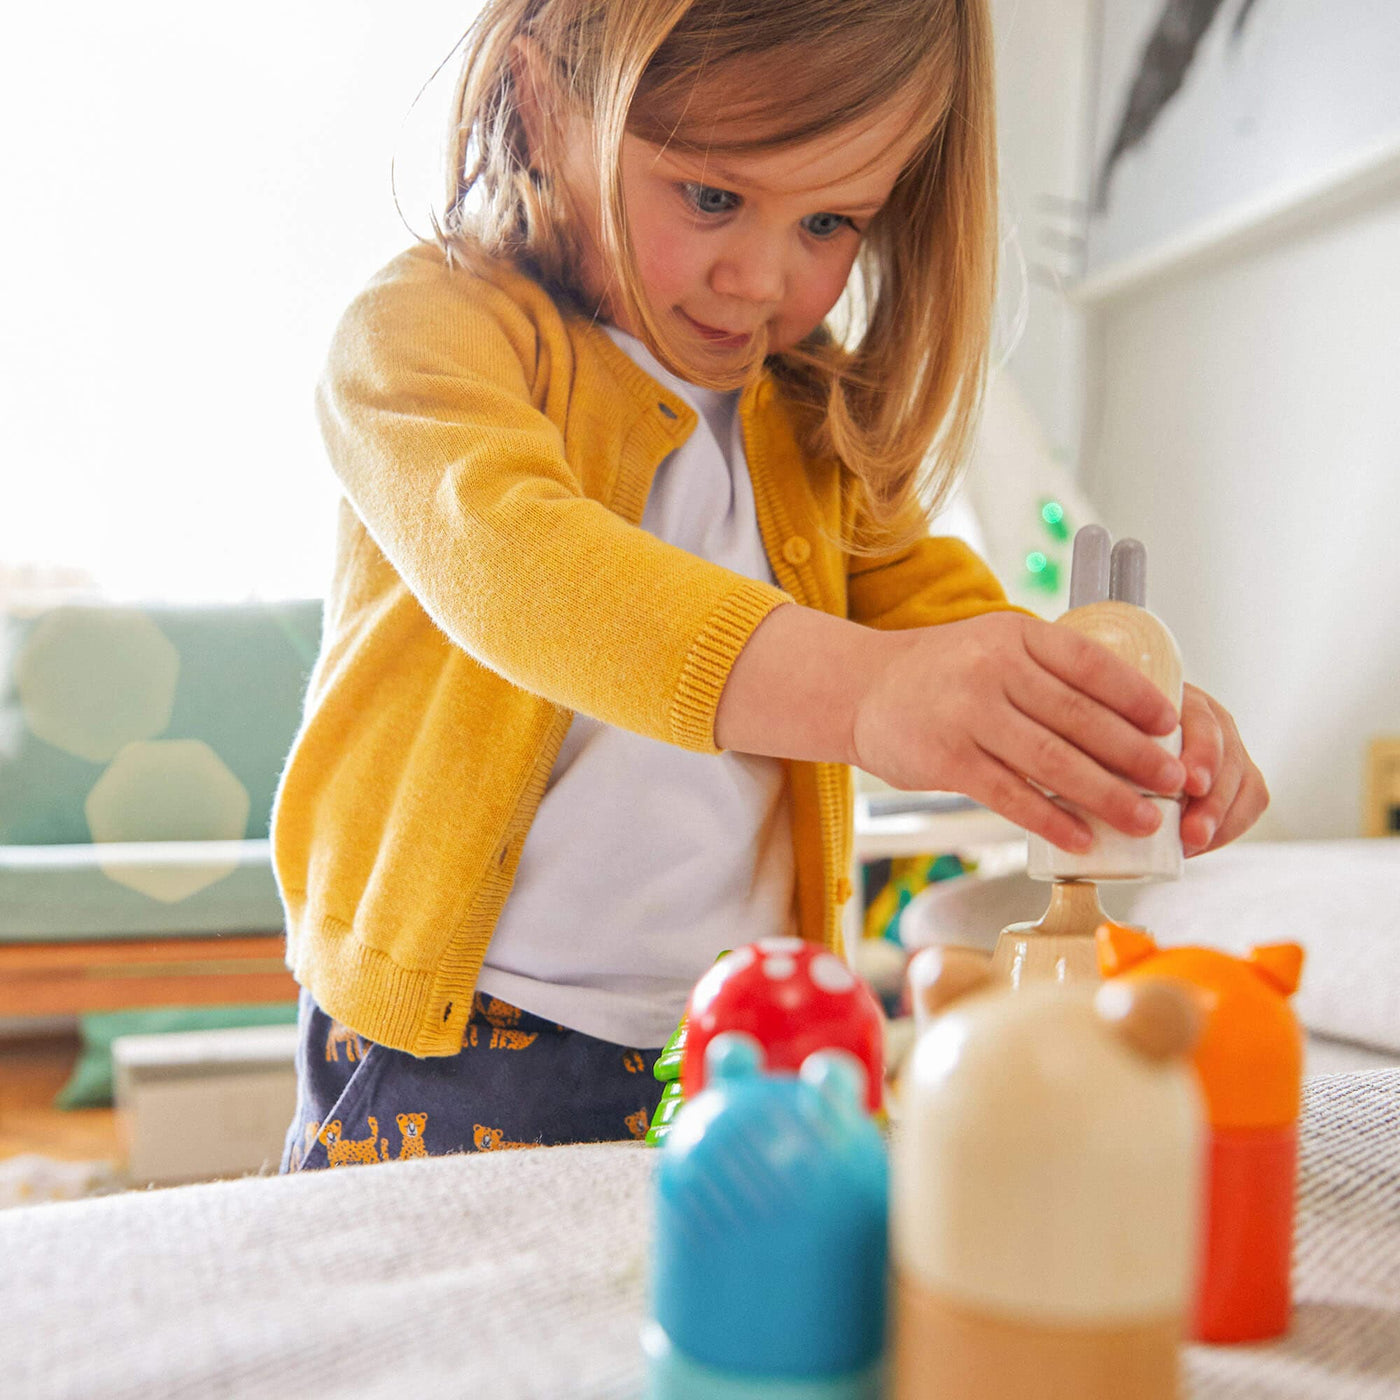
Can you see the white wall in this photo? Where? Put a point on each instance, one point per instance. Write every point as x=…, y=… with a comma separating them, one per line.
x=1042, y=54
x=1240, y=412
x=1245, y=423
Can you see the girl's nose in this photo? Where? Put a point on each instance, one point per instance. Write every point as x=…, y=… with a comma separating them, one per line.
x=750, y=270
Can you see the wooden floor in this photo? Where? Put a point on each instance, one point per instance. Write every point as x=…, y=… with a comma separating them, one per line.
x=31, y=1073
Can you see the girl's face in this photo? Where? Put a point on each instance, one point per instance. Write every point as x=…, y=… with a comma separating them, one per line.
x=732, y=243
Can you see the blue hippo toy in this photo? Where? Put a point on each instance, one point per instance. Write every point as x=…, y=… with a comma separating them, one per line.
x=768, y=1269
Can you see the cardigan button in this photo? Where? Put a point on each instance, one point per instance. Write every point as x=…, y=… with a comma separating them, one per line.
x=844, y=890
x=796, y=550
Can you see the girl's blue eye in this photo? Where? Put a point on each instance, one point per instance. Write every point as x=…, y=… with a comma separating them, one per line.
x=705, y=199
x=824, y=225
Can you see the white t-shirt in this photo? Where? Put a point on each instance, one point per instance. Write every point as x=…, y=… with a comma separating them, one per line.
x=646, y=861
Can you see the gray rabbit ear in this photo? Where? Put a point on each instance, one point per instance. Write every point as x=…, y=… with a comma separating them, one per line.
x=1088, y=579
x=1128, y=573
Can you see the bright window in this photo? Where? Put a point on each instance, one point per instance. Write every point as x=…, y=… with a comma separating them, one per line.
x=192, y=194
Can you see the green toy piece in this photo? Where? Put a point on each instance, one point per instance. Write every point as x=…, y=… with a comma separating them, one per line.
x=672, y=1099
x=668, y=1063
x=668, y=1070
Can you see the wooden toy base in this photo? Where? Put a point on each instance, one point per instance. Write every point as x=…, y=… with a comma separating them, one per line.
x=945, y=1349
x=1060, y=946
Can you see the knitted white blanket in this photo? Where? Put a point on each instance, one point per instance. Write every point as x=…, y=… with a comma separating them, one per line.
x=522, y=1274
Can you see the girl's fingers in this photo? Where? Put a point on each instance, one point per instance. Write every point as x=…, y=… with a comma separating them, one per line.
x=1248, y=806
x=1105, y=736
x=1234, y=802
x=1204, y=817
x=1054, y=763
x=994, y=785
x=1202, y=740
x=1094, y=670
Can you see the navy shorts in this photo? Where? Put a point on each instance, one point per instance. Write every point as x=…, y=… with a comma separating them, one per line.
x=518, y=1081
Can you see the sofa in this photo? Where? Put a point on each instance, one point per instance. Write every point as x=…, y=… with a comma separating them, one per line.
x=140, y=748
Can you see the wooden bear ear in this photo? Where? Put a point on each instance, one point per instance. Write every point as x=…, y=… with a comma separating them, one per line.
x=940, y=976
x=1121, y=947
x=1161, y=1020
x=1279, y=964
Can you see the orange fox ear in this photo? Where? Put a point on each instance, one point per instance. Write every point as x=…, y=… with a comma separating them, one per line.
x=1279, y=964
x=1121, y=947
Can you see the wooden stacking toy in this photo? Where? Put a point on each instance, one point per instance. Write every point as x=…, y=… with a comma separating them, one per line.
x=1107, y=597
x=1250, y=1061
x=1059, y=945
x=768, y=1273
x=1045, y=1185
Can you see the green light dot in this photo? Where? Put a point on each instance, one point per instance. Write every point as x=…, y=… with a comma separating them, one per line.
x=1053, y=514
x=1044, y=573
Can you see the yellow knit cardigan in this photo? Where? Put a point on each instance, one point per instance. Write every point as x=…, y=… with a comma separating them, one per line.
x=490, y=579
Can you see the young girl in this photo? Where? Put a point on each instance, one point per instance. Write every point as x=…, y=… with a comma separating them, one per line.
x=632, y=562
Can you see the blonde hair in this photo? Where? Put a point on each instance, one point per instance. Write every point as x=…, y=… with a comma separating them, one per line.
x=898, y=408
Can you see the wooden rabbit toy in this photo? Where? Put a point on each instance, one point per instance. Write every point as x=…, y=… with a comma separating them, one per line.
x=1107, y=595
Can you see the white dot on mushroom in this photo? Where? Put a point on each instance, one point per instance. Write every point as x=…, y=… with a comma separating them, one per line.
x=831, y=974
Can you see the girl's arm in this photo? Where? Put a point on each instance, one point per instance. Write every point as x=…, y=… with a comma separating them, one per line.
x=996, y=706
x=433, y=410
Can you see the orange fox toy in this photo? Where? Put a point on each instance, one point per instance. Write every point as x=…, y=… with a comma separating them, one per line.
x=1250, y=1062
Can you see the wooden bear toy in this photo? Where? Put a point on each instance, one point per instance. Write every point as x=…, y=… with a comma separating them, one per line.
x=1250, y=1063
x=1045, y=1186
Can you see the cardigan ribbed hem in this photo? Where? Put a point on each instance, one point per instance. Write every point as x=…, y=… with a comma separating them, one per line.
x=363, y=988
x=710, y=660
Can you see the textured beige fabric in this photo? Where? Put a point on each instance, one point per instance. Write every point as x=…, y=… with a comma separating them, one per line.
x=523, y=1275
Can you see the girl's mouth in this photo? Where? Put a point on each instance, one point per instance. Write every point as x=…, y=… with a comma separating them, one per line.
x=725, y=339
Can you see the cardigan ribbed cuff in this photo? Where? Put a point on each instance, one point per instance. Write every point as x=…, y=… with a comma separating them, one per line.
x=711, y=658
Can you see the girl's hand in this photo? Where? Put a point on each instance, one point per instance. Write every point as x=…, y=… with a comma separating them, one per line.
x=1003, y=705
x=1225, y=791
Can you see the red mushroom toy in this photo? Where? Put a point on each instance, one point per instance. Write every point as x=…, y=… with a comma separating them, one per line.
x=794, y=998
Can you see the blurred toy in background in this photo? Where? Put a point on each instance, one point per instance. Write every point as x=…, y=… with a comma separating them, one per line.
x=1250, y=1063
x=1045, y=1187
x=769, y=1250
x=794, y=998
x=897, y=879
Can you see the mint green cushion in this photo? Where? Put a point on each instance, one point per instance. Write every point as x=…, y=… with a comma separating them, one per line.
x=90, y=1084
x=154, y=723
x=129, y=890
